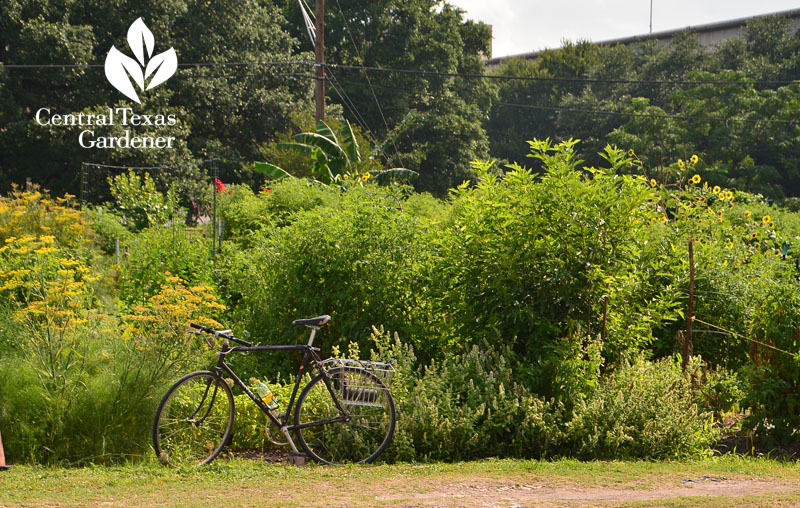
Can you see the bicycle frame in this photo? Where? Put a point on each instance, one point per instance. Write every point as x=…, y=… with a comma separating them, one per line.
x=309, y=353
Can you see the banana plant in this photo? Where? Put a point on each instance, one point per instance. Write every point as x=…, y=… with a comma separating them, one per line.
x=335, y=160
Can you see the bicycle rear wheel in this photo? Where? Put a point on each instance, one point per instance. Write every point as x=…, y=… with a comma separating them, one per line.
x=371, y=423
x=194, y=420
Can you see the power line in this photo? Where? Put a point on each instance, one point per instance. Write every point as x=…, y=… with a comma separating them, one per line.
x=545, y=79
x=643, y=115
x=151, y=168
x=349, y=104
x=193, y=64
x=608, y=112
x=555, y=79
x=369, y=81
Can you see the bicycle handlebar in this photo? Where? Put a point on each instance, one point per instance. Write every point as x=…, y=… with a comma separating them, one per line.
x=225, y=334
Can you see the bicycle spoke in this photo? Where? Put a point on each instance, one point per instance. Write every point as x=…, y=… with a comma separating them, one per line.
x=369, y=429
x=194, y=420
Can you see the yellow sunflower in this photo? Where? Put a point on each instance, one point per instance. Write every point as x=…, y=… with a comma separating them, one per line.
x=716, y=189
x=695, y=179
x=693, y=159
x=681, y=164
x=766, y=219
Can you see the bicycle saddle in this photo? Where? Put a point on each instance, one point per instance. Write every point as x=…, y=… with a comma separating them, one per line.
x=316, y=322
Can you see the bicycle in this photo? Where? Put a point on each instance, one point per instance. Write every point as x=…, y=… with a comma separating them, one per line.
x=344, y=414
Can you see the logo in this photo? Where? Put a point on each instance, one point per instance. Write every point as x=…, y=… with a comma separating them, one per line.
x=121, y=69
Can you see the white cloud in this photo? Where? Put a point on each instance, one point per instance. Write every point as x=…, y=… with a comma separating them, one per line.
x=521, y=26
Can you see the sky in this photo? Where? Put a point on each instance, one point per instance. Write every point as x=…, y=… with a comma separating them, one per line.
x=522, y=26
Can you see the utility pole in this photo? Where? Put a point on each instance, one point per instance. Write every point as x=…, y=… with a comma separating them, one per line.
x=319, y=60
x=651, y=16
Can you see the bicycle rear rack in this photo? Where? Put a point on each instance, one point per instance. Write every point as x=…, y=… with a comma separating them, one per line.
x=358, y=390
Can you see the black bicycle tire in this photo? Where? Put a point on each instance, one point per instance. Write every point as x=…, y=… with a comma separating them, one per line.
x=319, y=379
x=228, y=431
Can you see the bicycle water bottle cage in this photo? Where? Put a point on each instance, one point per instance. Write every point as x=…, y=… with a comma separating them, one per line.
x=317, y=322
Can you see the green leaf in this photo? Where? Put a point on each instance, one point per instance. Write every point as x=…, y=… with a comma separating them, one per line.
x=297, y=147
x=387, y=175
x=331, y=148
x=324, y=129
x=350, y=142
x=271, y=170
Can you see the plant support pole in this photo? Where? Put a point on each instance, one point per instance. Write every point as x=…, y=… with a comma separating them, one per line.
x=687, y=341
x=319, y=61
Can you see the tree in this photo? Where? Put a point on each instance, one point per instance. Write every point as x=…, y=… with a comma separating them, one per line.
x=222, y=111
x=420, y=35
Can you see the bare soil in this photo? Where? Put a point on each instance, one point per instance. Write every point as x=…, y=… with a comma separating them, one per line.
x=483, y=492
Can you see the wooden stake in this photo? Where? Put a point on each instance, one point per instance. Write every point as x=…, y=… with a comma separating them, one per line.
x=687, y=343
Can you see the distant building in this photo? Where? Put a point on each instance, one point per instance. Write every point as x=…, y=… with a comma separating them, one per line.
x=711, y=34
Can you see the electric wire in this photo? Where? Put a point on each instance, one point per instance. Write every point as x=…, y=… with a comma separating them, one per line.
x=616, y=113
x=348, y=103
x=644, y=115
x=546, y=79
x=369, y=82
x=191, y=64
x=307, y=20
x=557, y=79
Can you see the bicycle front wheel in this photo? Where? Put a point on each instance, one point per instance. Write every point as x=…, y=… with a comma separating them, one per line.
x=370, y=413
x=194, y=420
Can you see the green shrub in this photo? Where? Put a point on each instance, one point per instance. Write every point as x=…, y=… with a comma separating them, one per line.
x=469, y=406
x=289, y=197
x=774, y=376
x=358, y=262
x=529, y=260
x=140, y=204
x=243, y=213
x=642, y=410
x=108, y=230
x=156, y=253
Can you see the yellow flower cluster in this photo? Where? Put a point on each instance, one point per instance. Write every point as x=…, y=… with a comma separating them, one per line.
x=34, y=213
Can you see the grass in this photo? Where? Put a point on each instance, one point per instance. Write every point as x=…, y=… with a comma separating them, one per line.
x=240, y=482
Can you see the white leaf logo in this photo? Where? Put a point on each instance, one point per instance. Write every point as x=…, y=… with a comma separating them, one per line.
x=120, y=68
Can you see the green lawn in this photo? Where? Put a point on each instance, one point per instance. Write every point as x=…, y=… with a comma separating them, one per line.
x=233, y=483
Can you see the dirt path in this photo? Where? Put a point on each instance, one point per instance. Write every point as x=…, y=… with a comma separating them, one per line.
x=477, y=492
